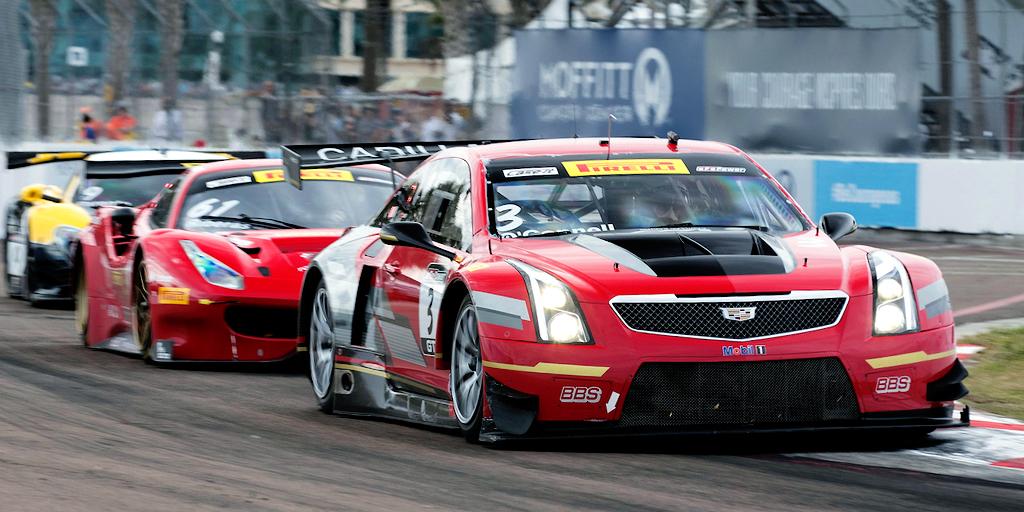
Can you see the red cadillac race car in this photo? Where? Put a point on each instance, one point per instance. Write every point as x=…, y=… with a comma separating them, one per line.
x=642, y=286
x=210, y=269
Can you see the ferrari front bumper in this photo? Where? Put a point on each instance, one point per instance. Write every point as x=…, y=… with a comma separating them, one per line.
x=247, y=327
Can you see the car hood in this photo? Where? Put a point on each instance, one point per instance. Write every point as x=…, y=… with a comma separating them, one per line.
x=280, y=252
x=731, y=261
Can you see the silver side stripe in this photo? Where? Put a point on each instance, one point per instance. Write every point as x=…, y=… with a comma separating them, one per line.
x=501, y=304
x=500, y=310
x=612, y=252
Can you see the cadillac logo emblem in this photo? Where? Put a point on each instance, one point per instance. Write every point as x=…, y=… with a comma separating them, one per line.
x=739, y=314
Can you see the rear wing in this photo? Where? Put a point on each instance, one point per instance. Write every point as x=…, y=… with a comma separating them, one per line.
x=133, y=168
x=320, y=156
x=19, y=159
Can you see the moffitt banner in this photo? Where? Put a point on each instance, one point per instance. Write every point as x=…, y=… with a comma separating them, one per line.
x=569, y=81
x=813, y=90
x=816, y=90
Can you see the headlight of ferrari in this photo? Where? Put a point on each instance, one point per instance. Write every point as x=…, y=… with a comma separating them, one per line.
x=215, y=272
x=558, y=316
x=64, y=236
x=895, y=307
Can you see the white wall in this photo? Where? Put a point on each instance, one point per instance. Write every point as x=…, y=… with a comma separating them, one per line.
x=967, y=196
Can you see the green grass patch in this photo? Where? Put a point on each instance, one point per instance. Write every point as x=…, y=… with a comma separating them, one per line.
x=997, y=377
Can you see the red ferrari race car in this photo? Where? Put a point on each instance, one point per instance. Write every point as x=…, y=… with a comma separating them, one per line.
x=210, y=269
x=650, y=286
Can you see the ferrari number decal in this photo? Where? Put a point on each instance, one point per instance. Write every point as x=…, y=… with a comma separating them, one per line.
x=430, y=307
x=508, y=217
x=210, y=207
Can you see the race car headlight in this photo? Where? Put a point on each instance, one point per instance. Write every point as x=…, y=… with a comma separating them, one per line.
x=64, y=236
x=215, y=272
x=558, y=316
x=895, y=308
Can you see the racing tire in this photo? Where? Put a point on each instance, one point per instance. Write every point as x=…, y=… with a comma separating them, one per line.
x=82, y=308
x=466, y=378
x=321, y=349
x=142, y=324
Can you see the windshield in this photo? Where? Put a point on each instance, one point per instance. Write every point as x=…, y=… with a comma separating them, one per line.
x=120, y=191
x=261, y=199
x=577, y=199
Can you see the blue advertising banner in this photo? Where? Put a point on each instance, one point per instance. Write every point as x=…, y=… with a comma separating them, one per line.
x=878, y=194
x=567, y=82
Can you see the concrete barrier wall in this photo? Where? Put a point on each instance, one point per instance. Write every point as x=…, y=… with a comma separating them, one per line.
x=966, y=196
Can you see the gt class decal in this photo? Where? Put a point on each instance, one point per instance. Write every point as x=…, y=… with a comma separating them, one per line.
x=625, y=167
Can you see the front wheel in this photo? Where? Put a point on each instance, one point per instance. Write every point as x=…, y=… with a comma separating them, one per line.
x=321, y=349
x=142, y=324
x=82, y=308
x=467, y=373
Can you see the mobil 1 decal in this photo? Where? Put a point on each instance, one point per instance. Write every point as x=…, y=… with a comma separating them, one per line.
x=431, y=291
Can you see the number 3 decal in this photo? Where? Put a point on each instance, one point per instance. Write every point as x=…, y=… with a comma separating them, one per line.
x=429, y=307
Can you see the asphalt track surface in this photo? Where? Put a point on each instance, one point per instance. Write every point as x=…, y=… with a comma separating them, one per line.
x=90, y=430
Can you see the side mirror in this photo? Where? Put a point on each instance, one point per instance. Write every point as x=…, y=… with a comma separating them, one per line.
x=124, y=219
x=411, y=234
x=838, y=225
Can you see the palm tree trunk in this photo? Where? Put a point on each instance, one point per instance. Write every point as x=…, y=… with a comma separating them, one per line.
x=120, y=32
x=945, y=107
x=172, y=33
x=375, y=51
x=973, y=51
x=44, y=17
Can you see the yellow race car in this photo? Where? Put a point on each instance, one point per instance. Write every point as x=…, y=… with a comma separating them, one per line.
x=42, y=221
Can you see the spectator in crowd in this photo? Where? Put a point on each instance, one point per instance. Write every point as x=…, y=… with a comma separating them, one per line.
x=122, y=125
x=167, y=124
x=271, y=112
x=437, y=127
x=402, y=129
x=89, y=128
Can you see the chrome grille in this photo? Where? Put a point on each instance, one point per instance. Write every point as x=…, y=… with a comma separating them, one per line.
x=705, y=319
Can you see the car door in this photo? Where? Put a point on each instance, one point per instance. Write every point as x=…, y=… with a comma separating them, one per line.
x=412, y=280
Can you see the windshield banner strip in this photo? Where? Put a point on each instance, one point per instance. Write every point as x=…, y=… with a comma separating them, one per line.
x=625, y=167
x=275, y=175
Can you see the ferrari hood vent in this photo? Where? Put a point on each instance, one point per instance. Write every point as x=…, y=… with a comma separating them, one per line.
x=692, y=252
